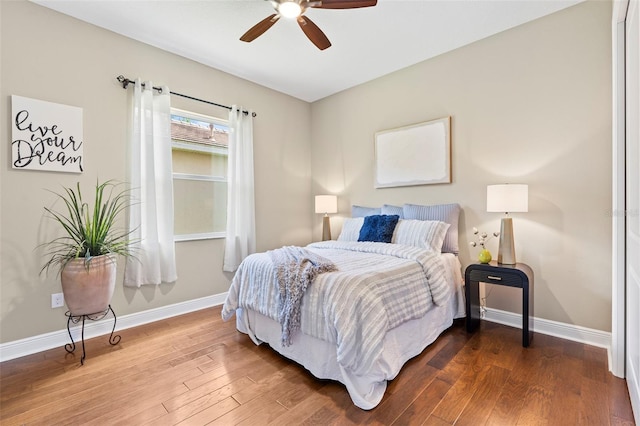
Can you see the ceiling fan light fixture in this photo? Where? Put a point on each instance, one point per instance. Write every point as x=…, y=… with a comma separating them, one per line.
x=295, y=9
x=289, y=9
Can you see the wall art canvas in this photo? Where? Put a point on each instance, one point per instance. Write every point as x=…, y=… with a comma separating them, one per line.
x=46, y=136
x=419, y=154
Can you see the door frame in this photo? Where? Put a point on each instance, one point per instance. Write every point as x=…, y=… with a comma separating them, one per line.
x=618, y=216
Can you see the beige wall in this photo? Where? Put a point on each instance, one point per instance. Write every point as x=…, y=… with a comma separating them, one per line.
x=529, y=105
x=49, y=56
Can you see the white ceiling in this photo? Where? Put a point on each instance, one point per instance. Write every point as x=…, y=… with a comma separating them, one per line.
x=366, y=43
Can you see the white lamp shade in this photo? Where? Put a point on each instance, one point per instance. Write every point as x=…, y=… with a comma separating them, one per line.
x=508, y=198
x=326, y=204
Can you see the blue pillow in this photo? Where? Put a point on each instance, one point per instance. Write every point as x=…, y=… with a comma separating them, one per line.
x=360, y=211
x=378, y=228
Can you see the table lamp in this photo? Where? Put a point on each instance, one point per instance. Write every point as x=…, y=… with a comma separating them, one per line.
x=507, y=198
x=326, y=204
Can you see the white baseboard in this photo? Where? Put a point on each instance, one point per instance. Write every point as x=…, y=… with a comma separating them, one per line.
x=31, y=345
x=576, y=333
x=42, y=342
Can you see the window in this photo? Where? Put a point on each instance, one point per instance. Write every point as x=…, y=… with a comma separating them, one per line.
x=199, y=155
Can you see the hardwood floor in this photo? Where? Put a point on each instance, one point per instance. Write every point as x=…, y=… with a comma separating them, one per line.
x=195, y=369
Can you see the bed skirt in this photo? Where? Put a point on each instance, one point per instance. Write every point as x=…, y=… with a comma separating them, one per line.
x=319, y=357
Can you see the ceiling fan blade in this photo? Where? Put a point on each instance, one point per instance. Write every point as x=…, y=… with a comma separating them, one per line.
x=258, y=29
x=343, y=4
x=314, y=33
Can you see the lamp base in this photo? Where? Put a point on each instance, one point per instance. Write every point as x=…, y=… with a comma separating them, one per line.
x=326, y=228
x=506, y=248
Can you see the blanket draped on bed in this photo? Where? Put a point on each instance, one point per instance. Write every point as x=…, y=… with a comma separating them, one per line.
x=296, y=268
x=376, y=288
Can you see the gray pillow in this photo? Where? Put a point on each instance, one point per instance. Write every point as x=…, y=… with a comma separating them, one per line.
x=448, y=213
x=360, y=211
x=388, y=209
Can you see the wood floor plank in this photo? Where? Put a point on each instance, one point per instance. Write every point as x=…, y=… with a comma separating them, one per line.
x=268, y=365
x=148, y=391
x=558, y=413
x=176, y=413
x=566, y=383
x=510, y=402
x=538, y=405
x=233, y=368
x=147, y=407
x=461, y=363
x=339, y=401
x=433, y=420
x=572, y=349
x=300, y=413
x=211, y=414
x=71, y=392
x=260, y=410
x=415, y=366
x=619, y=402
x=394, y=404
x=486, y=394
x=195, y=369
x=424, y=404
x=147, y=416
x=320, y=417
x=594, y=409
x=455, y=401
x=595, y=366
x=617, y=421
x=208, y=394
x=263, y=386
x=299, y=391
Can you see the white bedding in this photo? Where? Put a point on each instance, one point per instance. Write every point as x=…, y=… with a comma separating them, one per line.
x=363, y=364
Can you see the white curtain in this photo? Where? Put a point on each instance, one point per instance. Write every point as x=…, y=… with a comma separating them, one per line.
x=241, y=223
x=150, y=174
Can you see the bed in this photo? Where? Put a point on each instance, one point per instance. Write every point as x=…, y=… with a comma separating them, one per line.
x=380, y=305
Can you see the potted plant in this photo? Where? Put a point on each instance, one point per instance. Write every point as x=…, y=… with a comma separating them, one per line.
x=86, y=254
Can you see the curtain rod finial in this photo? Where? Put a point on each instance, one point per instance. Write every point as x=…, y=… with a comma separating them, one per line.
x=125, y=81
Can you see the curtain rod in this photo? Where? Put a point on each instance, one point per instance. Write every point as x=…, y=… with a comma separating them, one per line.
x=125, y=83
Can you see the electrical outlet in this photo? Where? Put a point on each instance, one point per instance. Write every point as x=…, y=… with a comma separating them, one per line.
x=57, y=300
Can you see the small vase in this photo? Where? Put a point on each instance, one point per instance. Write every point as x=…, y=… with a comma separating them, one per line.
x=484, y=256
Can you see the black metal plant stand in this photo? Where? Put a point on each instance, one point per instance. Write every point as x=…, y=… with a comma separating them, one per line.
x=75, y=319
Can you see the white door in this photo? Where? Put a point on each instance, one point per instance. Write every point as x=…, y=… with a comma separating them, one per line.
x=632, y=55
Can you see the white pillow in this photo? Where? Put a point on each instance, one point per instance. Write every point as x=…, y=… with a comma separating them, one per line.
x=351, y=229
x=448, y=213
x=427, y=234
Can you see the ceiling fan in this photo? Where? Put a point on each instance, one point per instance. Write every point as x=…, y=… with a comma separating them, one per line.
x=294, y=9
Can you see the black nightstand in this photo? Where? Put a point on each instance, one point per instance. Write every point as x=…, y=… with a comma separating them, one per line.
x=518, y=275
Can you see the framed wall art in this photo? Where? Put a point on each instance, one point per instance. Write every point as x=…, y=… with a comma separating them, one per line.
x=419, y=154
x=45, y=136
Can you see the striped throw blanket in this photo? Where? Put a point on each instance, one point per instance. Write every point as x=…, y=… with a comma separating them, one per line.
x=296, y=268
x=376, y=288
